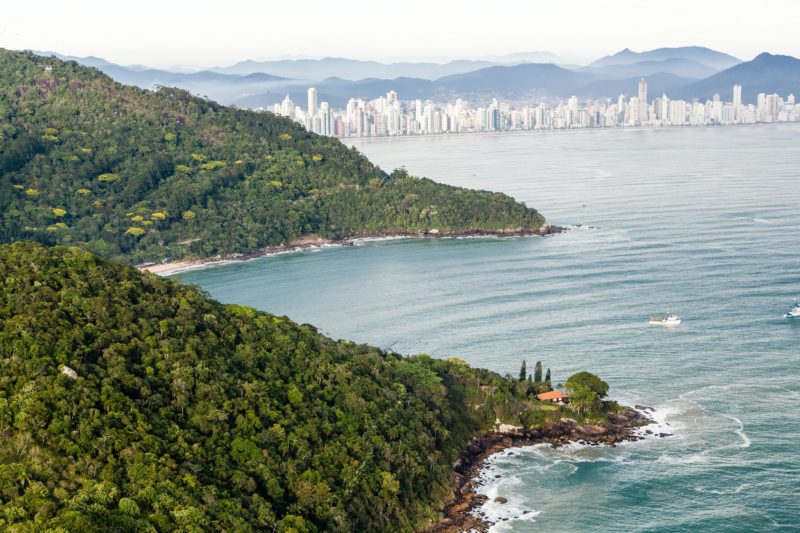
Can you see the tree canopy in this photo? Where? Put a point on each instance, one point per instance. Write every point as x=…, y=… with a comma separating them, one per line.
x=586, y=391
x=129, y=402
x=141, y=176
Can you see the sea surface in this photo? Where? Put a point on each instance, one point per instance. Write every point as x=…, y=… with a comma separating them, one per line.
x=704, y=223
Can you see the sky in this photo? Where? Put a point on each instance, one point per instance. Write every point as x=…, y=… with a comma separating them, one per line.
x=205, y=33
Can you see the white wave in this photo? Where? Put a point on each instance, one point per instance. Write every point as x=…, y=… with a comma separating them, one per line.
x=762, y=220
x=500, y=514
x=505, y=521
x=367, y=240
x=693, y=459
x=665, y=419
x=746, y=442
x=729, y=386
x=737, y=490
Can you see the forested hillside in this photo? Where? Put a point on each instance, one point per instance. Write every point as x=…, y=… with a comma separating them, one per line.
x=141, y=176
x=131, y=403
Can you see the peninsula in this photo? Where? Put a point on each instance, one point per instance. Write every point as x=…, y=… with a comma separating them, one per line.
x=132, y=402
x=143, y=177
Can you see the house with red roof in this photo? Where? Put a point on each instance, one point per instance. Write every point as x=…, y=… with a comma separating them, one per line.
x=553, y=396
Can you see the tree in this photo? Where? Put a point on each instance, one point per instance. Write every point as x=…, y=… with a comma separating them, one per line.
x=588, y=380
x=547, y=377
x=523, y=372
x=586, y=392
x=537, y=372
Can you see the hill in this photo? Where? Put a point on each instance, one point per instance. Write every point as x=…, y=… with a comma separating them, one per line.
x=313, y=70
x=675, y=66
x=526, y=80
x=656, y=85
x=766, y=73
x=698, y=54
x=540, y=79
x=131, y=403
x=142, y=176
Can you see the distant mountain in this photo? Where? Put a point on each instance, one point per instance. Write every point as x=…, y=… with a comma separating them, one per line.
x=536, y=56
x=315, y=70
x=685, y=68
x=766, y=73
x=151, y=78
x=224, y=88
x=88, y=61
x=656, y=85
x=525, y=80
x=698, y=54
x=528, y=80
x=539, y=79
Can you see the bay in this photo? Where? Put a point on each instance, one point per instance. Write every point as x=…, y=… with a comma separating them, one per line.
x=702, y=222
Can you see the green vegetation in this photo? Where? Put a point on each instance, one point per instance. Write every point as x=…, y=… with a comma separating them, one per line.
x=586, y=393
x=225, y=180
x=535, y=382
x=131, y=403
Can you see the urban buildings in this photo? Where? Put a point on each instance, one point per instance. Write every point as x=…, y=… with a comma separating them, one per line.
x=389, y=116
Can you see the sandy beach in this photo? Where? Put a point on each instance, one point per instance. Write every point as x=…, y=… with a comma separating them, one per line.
x=313, y=241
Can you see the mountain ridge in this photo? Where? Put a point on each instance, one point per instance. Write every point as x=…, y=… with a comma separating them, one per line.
x=143, y=176
x=132, y=403
x=699, y=54
x=767, y=73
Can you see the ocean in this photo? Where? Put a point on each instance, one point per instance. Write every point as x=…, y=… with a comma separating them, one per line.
x=700, y=222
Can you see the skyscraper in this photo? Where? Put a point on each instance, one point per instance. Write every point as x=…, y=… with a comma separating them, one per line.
x=287, y=107
x=737, y=102
x=642, y=101
x=312, y=102
x=737, y=95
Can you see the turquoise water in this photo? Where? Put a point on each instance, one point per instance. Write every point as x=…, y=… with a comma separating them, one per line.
x=700, y=222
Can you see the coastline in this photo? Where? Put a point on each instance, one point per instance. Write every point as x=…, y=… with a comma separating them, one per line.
x=355, y=141
x=174, y=267
x=462, y=512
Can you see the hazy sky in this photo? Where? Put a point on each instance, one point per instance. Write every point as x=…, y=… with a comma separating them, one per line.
x=206, y=33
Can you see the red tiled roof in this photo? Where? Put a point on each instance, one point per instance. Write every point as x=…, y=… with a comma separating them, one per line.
x=552, y=395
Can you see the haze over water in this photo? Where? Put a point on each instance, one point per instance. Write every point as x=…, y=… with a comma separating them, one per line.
x=699, y=222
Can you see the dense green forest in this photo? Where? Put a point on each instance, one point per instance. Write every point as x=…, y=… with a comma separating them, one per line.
x=142, y=176
x=129, y=402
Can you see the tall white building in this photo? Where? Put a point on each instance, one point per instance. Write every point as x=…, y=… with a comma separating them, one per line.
x=737, y=95
x=642, y=101
x=287, y=107
x=312, y=102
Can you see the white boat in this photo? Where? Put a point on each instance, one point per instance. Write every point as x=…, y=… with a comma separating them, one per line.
x=794, y=311
x=669, y=320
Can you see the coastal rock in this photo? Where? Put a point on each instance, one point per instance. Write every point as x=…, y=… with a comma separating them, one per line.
x=464, y=512
x=593, y=430
x=459, y=508
x=478, y=500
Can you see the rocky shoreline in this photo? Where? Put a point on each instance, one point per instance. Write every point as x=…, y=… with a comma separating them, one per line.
x=172, y=267
x=462, y=512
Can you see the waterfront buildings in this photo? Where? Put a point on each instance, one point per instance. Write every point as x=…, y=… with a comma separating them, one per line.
x=389, y=116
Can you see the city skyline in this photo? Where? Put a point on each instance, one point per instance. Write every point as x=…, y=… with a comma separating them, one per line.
x=314, y=28
x=389, y=116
